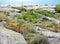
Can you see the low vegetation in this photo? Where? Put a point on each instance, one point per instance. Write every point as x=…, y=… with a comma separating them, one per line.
x=3, y=16
x=58, y=8
x=49, y=25
x=27, y=22
x=43, y=12
x=9, y=24
x=57, y=16
x=29, y=17
x=37, y=39
x=21, y=8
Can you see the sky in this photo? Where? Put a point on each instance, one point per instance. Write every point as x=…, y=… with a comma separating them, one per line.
x=29, y=2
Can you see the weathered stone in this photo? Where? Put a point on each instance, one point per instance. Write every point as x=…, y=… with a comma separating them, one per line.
x=53, y=20
x=53, y=37
x=10, y=37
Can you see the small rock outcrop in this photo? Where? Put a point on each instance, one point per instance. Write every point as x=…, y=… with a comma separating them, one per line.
x=53, y=20
x=53, y=38
x=10, y=37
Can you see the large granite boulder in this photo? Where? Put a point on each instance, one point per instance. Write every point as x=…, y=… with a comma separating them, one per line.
x=10, y=37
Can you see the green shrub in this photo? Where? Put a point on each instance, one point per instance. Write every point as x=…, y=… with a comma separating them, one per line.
x=32, y=30
x=46, y=13
x=58, y=8
x=29, y=17
x=20, y=8
x=18, y=21
x=39, y=39
x=29, y=36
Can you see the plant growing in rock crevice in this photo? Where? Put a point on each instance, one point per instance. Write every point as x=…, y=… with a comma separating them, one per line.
x=38, y=39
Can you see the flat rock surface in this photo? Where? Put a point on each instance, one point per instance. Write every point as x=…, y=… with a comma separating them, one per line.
x=10, y=37
x=53, y=38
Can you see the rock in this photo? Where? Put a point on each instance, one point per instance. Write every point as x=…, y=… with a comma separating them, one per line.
x=10, y=37
x=13, y=14
x=53, y=20
x=53, y=38
x=49, y=18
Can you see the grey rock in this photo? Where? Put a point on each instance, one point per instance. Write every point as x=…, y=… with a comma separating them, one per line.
x=53, y=20
x=10, y=37
x=53, y=38
x=49, y=18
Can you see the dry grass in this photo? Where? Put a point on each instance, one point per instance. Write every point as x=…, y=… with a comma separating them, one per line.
x=50, y=26
x=3, y=16
x=9, y=23
x=57, y=16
